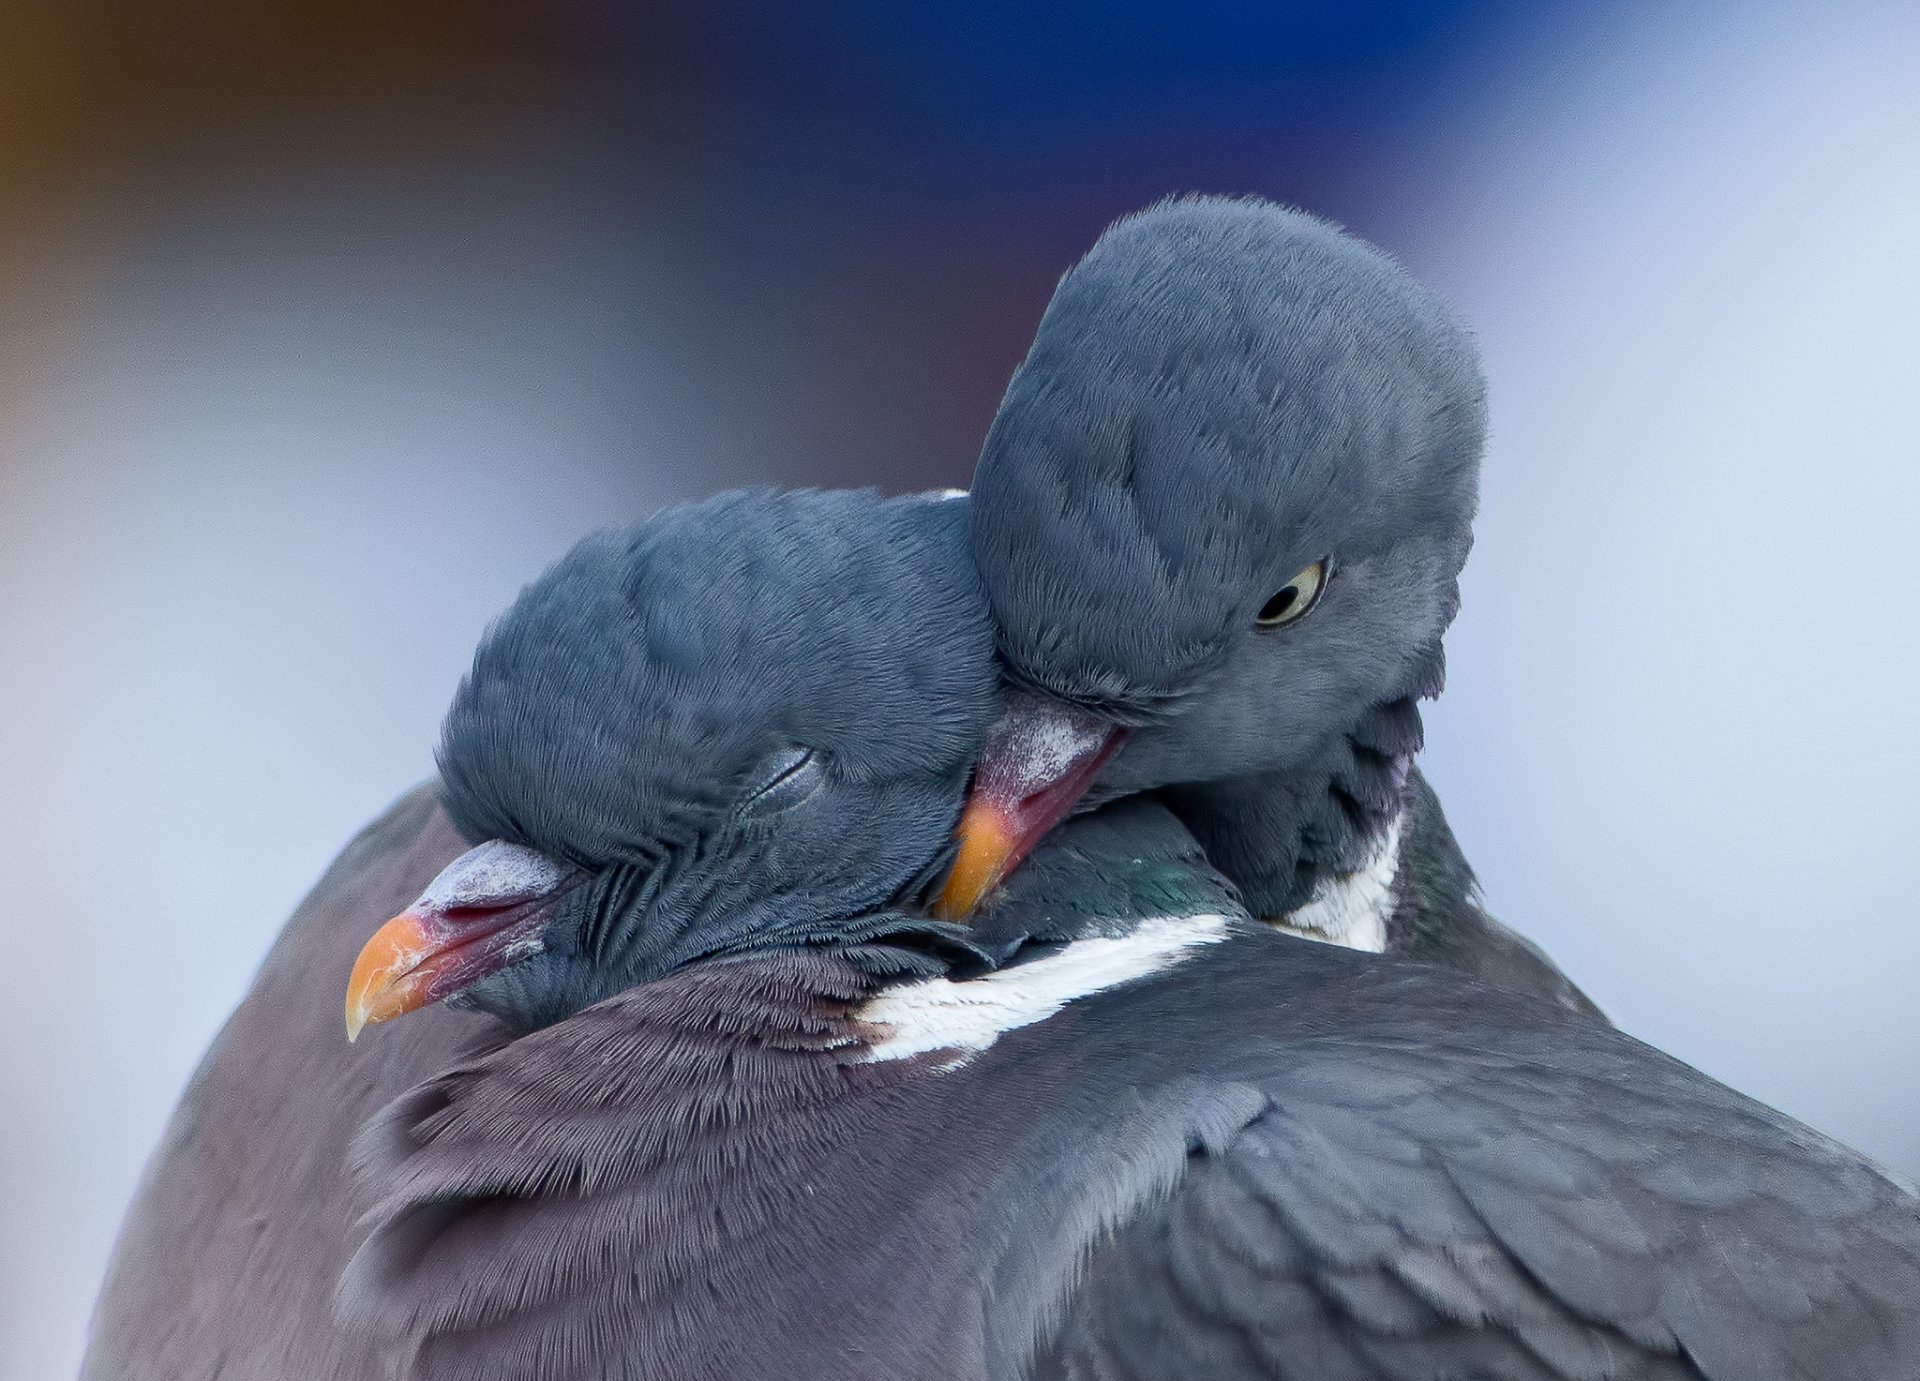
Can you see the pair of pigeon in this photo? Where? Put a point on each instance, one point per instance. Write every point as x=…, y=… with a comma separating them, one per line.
x=791, y=1078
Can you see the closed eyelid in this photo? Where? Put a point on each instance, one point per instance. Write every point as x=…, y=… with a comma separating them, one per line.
x=800, y=761
x=785, y=778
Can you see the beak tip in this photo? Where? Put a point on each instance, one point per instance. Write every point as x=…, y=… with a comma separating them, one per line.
x=958, y=899
x=1039, y=760
x=988, y=841
x=379, y=988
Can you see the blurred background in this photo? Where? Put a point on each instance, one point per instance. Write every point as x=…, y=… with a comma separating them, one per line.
x=325, y=324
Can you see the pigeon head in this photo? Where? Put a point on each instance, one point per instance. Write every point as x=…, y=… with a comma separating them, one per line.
x=1221, y=511
x=745, y=722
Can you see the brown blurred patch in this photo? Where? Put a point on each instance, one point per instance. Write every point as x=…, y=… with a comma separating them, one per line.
x=94, y=92
x=90, y=82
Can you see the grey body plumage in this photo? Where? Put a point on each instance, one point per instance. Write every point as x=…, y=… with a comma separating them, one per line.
x=846, y=1142
x=1273, y=1159
x=230, y=1254
x=1221, y=394
x=231, y=1250
x=689, y=1153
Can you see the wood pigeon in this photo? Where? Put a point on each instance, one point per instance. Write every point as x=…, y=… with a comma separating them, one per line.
x=750, y=1115
x=1110, y=1127
x=1220, y=516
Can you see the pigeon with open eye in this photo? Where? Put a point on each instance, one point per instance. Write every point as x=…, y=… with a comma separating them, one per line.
x=1220, y=516
x=760, y=1122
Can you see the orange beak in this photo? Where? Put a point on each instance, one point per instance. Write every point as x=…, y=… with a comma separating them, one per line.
x=487, y=910
x=1039, y=760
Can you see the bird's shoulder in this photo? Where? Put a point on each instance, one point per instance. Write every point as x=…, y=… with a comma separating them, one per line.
x=230, y=1251
x=1440, y=917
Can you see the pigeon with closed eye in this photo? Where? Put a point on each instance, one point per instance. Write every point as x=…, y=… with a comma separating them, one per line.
x=616, y=743
x=762, y=1121
x=1220, y=517
x=231, y=1251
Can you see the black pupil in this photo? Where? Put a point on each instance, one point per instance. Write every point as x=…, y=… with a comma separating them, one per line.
x=1277, y=607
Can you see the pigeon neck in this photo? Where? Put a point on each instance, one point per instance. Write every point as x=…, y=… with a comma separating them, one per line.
x=1102, y=874
x=1318, y=849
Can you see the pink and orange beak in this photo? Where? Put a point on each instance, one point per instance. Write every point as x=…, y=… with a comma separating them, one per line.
x=488, y=909
x=1039, y=760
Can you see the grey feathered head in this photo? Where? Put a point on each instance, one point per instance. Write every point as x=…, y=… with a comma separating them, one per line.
x=1220, y=394
x=745, y=721
x=636, y=690
x=1224, y=504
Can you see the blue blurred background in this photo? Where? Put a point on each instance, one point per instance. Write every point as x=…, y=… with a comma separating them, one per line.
x=324, y=325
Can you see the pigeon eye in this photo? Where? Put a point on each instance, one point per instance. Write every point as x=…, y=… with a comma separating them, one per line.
x=788, y=780
x=1295, y=598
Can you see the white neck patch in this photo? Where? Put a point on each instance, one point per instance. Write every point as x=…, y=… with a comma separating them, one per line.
x=1352, y=909
x=967, y=1017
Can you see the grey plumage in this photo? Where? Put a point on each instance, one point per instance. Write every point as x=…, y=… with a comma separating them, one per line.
x=1221, y=394
x=690, y=614
x=231, y=1251
x=228, y=1258
x=1445, y=1180
x=1276, y=1159
x=1217, y=390
x=682, y=694
x=1251, y=1156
